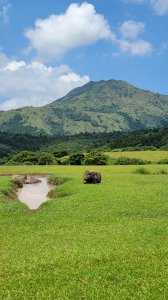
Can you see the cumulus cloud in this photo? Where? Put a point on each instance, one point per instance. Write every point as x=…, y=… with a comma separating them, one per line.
x=35, y=83
x=80, y=25
x=130, y=42
x=138, y=47
x=132, y=29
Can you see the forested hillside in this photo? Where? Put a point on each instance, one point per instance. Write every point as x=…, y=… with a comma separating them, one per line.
x=104, y=106
x=11, y=144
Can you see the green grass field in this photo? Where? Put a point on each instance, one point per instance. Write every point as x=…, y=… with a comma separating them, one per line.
x=152, y=156
x=107, y=241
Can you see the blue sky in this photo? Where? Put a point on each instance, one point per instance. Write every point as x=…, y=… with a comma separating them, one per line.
x=49, y=47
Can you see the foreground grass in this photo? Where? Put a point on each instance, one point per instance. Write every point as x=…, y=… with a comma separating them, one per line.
x=107, y=241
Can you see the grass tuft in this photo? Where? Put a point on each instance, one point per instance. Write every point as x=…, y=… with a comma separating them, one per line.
x=17, y=182
x=57, y=180
x=161, y=172
x=142, y=171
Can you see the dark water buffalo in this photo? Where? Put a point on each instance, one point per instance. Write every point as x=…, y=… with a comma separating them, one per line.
x=92, y=177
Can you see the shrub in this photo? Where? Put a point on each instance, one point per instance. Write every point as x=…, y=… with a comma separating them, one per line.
x=61, y=153
x=18, y=182
x=142, y=171
x=2, y=161
x=161, y=172
x=23, y=158
x=129, y=149
x=46, y=159
x=130, y=161
x=163, y=161
x=164, y=148
x=76, y=159
x=57, y=180
x=12, y=163
x=63, y=161
x=96, y=158
x=149, y=148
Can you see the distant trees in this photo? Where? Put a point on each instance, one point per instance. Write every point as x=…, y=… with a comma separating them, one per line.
x=61, y=146
x=24, y=158
x=31, y=158
x=28, y=150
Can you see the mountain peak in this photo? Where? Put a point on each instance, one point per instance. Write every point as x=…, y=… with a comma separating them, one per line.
x=102, y=106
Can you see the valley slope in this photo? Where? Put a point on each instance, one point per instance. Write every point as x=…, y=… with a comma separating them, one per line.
x=103, y=106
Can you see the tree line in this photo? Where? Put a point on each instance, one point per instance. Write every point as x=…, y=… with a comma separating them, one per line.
x=117, y=141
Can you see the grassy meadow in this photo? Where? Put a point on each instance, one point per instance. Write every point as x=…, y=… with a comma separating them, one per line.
x=92, y=242
x=153, y=156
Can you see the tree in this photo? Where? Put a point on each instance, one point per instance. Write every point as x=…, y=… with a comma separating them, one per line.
x=24, y=157
x=46, y=159
x=76, y=159
x=95, y=158
x=61, y=153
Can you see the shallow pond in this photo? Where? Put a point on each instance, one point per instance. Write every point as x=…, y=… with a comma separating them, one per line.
x=33, y=195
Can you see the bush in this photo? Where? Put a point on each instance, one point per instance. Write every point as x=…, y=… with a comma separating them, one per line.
x=142, y=171
x=23, y=158
x=130, y=161
x=2, y=161
x=58, y=180
x=18, y=182
x=61, y=153
x=161, y=172
x=164, y=148
x=96, y=158
x=163, y=161
x=149, y=148
x=12, y=163
x=129, y=149
x=46, y=159
x=63, y=161
x=76, y=159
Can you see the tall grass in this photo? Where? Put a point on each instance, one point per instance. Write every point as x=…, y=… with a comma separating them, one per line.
x=142, y=170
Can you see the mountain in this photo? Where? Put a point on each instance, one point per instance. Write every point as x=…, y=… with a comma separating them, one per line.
x=103, y=106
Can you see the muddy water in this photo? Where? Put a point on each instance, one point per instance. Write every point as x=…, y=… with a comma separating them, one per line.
x=33, y=195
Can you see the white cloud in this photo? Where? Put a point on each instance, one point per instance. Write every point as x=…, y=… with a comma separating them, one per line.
x=159, y=6
x=132, y=29
x=130, y=42
x=35, y=83
x=14, y=65
x=138, y=47
x=4, y=12
x=79, y=26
